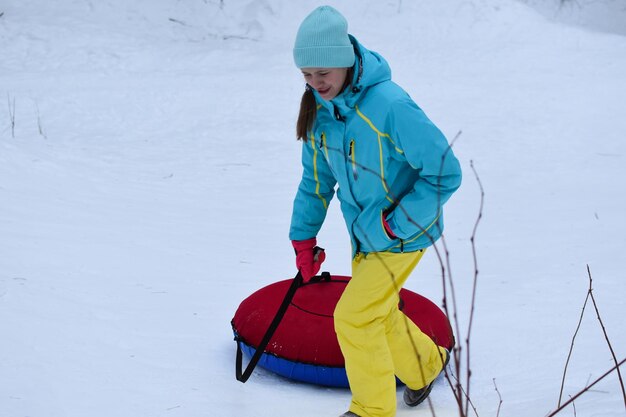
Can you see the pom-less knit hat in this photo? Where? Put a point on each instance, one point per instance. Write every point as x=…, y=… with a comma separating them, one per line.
x=322, y=41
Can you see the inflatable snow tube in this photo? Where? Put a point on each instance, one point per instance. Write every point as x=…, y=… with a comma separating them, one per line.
x=304, y=346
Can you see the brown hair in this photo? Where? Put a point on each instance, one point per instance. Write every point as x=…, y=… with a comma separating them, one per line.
x=308, y=112
x=308, y=109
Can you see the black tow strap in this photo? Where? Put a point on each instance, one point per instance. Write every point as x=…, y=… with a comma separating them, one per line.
x=243, y=376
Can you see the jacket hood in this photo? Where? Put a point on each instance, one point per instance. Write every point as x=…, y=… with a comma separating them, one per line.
x=370, y=68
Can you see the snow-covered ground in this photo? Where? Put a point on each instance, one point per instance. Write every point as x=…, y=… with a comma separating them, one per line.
x=147, y=182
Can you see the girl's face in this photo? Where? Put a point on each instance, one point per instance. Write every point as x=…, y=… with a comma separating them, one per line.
x=328, y=82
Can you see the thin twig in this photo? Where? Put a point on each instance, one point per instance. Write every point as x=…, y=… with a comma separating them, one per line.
x=446, y=276
x=453, y=381
x=457, y=382
x=581, y=392
x=475, y=283
x=606, y=336
x=499, y=396
x=571, y=348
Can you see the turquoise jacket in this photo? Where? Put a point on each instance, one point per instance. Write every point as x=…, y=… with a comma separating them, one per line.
x=387, y=158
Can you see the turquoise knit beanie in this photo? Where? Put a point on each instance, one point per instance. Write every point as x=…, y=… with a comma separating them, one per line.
x=322, y=41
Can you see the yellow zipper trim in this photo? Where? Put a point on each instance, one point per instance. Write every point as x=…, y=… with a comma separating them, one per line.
x=380, y=151
x=371, y=125
x=317, y=181
x=423, y=231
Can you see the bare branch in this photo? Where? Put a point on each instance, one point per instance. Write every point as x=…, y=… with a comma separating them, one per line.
x=574, y=407
x=606, y=336
x=475, y=283
x=581, y=392
x=450, y=376
x=499, y=396
x=571, y=348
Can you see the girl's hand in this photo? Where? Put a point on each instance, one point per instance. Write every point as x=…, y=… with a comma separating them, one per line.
x=309, y=257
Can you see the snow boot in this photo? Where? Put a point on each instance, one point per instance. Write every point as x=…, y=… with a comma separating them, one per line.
x=413, y=397
x=349, y=414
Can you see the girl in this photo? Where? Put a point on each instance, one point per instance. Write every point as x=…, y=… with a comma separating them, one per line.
x=394, y=170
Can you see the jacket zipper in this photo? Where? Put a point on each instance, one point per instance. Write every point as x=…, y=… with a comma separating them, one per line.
x=352, y=156
x=324, y=146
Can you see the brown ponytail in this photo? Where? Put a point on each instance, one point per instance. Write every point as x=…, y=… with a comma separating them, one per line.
x=306, y=117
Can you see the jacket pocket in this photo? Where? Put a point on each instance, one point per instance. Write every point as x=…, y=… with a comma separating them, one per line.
x=369, y=230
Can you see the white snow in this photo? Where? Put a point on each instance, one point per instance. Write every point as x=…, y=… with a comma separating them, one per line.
x=146, y=190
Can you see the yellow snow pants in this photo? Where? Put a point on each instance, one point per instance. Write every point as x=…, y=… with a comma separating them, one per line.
x=377, y=340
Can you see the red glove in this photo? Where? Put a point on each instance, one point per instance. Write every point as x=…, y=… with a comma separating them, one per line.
x=309, y=257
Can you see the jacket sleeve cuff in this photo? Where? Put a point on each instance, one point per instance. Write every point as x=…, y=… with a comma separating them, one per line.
x=301, y=245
